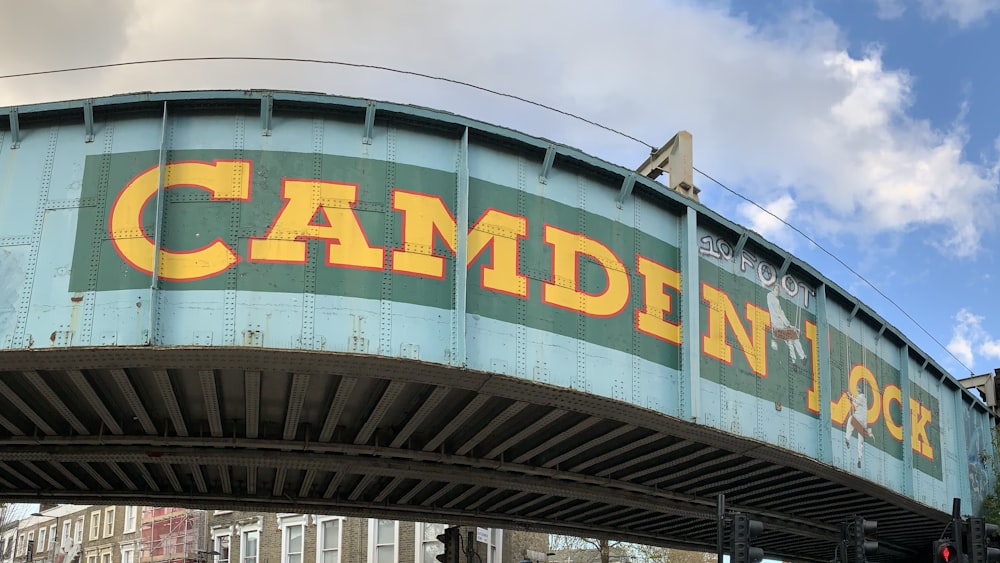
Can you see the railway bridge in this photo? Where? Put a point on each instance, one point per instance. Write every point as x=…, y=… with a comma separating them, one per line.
x=297, y=302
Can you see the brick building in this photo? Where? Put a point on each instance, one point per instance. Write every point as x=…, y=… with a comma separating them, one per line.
x=135, y=534
x=248, y=537
x=173, y=535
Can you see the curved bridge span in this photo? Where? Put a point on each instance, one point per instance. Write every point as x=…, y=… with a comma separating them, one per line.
x=299, y=302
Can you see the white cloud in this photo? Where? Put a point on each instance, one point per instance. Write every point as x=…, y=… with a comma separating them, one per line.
x=970, y=338
x=962, y=12
x=890, y=9
x=784, y=105
x=770, y=221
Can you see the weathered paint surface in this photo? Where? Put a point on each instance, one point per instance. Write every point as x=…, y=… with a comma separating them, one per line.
x=414, y=246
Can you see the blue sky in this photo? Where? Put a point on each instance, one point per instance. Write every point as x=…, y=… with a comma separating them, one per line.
x=868, y=124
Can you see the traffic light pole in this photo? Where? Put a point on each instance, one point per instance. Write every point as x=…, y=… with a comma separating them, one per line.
x=956, y=524
x=720, y=523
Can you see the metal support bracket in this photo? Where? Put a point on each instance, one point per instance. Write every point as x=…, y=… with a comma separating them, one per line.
x=881, y=331
x=628, y=182
x=550, y=157
x=369, y=122
x=784, y=268
x=266, y=110
x=744, y=236
x=854, y=312
x=88, y=121
x=15, y=130
x=675, y=159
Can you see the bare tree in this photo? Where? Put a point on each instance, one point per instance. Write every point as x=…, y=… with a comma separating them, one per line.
x=571, y=549
x=10, y=515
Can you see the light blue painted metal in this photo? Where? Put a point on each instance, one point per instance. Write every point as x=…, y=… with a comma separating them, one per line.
x=626, y=190
x=736, y=334
x=824, y=448
x=369, y=122
x=550, y=157
x=459, y=333
x=904, y=386
x=690, y=363
x=266, y=113
x=88, y=120
x=15, y=129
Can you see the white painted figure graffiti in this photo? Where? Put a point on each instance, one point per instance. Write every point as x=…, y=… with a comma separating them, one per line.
x=858, y=420
x=782, y=328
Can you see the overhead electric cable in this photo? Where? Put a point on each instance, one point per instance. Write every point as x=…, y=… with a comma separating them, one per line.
x=503, y=95
x=336, y=63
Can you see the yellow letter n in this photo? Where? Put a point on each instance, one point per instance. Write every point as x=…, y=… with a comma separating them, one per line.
x=722, y=313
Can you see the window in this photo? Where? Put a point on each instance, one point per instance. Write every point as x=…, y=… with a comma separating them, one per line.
x=291, y=544
x=95, y=524
x=78, y=530
x=130, y=512
x=248, y=547
x=40, y=546
x=31, y=541
x=494, y=551
x=66, y=537
x=328, y=541
x=382, y=541
x=91, y=559
x=220, y=544
x=52, y=536
x=127, y=555
x=20, y=544
x=106, y=558
x=109, y=522
x=428, y=546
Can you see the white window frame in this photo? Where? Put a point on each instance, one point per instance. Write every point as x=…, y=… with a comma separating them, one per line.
x=321, y=537
x=78, y=530
x=217, y=535
x=106, y=557
x=109, y=521
x=130, y=552
x=31, y=539
x=494, y=549
x=418, y=536
x=243, y=542
x=285, y=523
x=131, y=517
x=372, y=544
x=92, y=558
x=52, y=536
x=67, y=533
x=42, y=537
x=95, y=524
x=20, y=547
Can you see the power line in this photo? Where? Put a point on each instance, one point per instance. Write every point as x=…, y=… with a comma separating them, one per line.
x=512, y=97
x=839, y=261
x=335, y=63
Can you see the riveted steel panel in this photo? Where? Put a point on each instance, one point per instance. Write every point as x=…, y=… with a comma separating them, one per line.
x=315, y=239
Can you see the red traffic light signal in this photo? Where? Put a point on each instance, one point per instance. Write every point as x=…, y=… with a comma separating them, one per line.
x=945, y=552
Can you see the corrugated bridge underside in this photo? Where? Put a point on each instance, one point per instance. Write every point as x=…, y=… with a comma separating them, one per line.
x=361, y=435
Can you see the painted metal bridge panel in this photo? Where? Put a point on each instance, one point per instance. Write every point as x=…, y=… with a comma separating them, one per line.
x=448, y=242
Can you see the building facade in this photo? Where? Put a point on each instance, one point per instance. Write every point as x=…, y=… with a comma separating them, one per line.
x=136, y=534
x=246, y=537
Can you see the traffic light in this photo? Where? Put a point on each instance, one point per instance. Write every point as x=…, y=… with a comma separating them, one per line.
x=452, y=541
x=744, y=531
x=861, y=546
x=978, y=546
x=945, y=552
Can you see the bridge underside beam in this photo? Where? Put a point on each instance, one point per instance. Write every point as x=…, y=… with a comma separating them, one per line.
x=389, y=445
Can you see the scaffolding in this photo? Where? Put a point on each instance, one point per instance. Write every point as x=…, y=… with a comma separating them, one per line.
x=173, y=535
